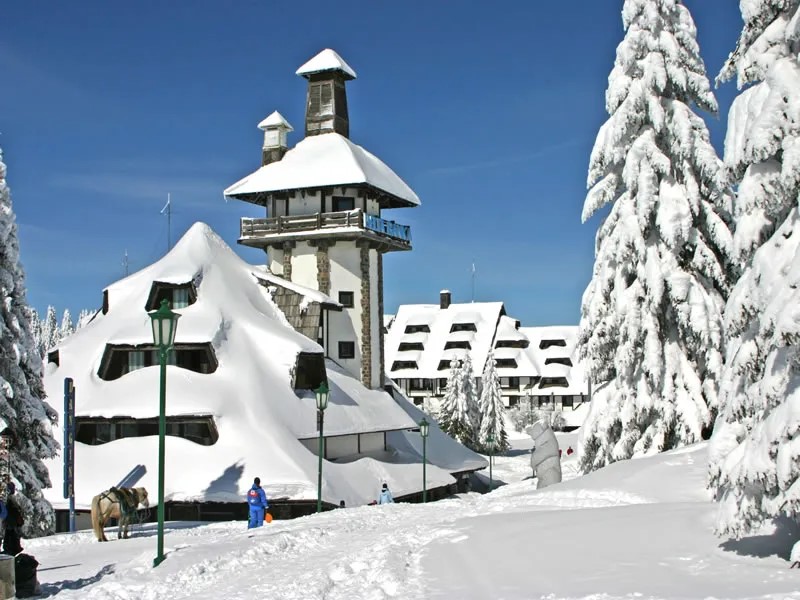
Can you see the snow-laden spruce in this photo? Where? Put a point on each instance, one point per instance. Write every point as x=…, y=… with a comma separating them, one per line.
x=651, y=326
x=492, y=409
x=22, y=405
x=49, y=331
x=459, y=415
x=754, y=454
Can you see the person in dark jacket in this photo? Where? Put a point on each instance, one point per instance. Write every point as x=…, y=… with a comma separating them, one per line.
x=257, y=501
x=14, y=522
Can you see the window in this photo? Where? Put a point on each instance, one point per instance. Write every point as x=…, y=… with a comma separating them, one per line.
x=309, y=371
x=418, y=401
x=505, y=363
x=444, y=365
x=558, y=361
x=320, y=98
x=410, y=346
x=460, y=344
x=545, y=344
x=511, y=344
x=509, y=382
x=121, y=359
x=346, y=299
x=513, y=401
x=342, y=203
x=53, y=357
x=463, y=327
x=95, y=431
x=180, y=298
x=567, y=402
x=417, y=329
x=347, y=349
x=404, y=364
x=547, y=382
x=420, y=384
x=178, y=295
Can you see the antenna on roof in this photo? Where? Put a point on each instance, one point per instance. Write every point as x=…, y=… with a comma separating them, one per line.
x=473, y=281
x=125, y=262
x=168, y=209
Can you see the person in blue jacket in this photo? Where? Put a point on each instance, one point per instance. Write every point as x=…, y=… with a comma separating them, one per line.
x=257, y=501
x=386, y=495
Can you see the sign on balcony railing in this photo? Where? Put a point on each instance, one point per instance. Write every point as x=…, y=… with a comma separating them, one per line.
x=390, y=228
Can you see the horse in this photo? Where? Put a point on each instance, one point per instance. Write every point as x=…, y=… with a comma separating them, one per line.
x=116, y=503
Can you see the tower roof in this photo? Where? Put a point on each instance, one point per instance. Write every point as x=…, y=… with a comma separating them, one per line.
x=324, y=160
x=327, y=60
x=276, y=119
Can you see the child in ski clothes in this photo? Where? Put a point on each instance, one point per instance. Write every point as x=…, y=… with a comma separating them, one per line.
x=257, y=500
x=386, y=495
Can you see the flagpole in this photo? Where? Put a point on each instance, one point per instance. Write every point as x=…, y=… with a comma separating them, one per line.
x=473, y=282
x=168, y=208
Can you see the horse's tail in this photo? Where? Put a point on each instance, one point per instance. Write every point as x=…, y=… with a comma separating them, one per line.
x=96, y=525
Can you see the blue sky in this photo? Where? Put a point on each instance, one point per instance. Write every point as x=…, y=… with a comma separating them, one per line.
x=489, y=111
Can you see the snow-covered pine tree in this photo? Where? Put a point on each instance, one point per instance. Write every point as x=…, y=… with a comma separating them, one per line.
x=449, y=405
x=651, y=326
x=471, y=408
x=492, y=408
x=457, y=415
x=84, y=317
x=67, y=327
x=754, y=455
x=22, y=405
x=36, y=329
x=49, y=330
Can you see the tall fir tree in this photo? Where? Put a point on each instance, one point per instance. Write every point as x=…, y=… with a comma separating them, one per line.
x=651, y=326
x=457, y=416
x=22, y=406
x=471, y=407
x=67, y=327
x=49, y=330
x=492, y=408
x=449, y=406
x=36, y=329
x=754, y=454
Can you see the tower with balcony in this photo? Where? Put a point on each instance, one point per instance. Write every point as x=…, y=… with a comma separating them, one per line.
x=324, y=225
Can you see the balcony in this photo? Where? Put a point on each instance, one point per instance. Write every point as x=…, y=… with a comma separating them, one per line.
x=345, y=225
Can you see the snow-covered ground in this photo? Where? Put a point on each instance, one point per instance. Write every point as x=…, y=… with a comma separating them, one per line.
x=637, y=529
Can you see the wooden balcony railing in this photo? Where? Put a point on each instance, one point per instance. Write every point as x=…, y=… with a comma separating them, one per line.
x=254, y=228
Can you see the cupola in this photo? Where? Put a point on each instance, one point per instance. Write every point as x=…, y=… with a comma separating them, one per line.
x=275, y=128
x=326, y=102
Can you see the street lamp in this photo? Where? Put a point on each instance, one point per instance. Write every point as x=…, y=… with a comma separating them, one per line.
x=423, y=431
x=322, y=393
x=164, y=323
x=490, y=444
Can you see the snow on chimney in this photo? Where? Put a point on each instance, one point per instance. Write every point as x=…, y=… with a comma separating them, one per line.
x=444, y=298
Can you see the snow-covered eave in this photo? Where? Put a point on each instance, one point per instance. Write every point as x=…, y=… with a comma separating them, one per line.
x=313, y=435
x=260, y=198
x=310, y=294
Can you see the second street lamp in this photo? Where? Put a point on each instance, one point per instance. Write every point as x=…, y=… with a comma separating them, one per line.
x=322, y=393
x=165, y=323
x=423, y=431
x=490, y=444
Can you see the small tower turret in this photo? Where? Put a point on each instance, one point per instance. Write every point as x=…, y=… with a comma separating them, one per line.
x=275, y=128
x=326, y=101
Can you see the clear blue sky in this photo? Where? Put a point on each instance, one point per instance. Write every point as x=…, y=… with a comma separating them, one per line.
x=488, y=110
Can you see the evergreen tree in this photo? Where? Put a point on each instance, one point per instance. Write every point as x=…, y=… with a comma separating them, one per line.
x=754, y=456
x=22, y=406
x=67, y=328
x=457, y=415
x=84, y=317
x=36, y=329
x=651, y=326
x=449, y=404
x=49, y=331
x=471, y=407
x=492, y=408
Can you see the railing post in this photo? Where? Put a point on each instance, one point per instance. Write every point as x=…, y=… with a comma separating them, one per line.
x=319, y=221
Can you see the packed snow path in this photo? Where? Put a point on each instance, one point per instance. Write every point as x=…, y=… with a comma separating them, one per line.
x=639, y=528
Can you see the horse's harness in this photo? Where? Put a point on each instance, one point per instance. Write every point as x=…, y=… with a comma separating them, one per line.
x=128, y=503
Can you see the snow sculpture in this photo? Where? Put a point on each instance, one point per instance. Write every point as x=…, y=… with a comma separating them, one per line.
x=545, y=461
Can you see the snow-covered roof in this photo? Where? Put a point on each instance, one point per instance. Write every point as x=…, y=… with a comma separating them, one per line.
x=259, y=417
x=327, y=60
x=276, y=119
x=575, y=374
x=483, y=315
x=329, y=159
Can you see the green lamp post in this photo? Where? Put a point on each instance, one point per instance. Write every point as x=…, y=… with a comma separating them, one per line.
x=490, y=445
x=423, y=431
x=165, y=323
x=322, y=393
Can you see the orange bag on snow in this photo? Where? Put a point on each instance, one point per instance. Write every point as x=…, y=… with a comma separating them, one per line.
x=268, y=517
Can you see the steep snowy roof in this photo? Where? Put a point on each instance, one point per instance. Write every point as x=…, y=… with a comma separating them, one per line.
x=544, y=359
x=480, y=316
x=276, y=119
x=259, y=417
x=324, y=160
x=327, y=60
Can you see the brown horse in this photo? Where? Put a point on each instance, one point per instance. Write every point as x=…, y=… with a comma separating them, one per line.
x=116, y=503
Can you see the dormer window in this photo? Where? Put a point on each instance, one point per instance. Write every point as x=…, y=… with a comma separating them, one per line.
x=505, y=363
x=309, y=371
x=463, y=327
x=404, y=364
x=410, y=346
x=545, y=344
x=418, y=329
x=178, y=295
x=464, y=344
x=547, y=382
x=119, y=360
x=559, y=361
x=443, y=365
x=511, y=344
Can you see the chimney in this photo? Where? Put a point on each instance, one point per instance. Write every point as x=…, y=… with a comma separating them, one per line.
x=326, y=101
x=275, y=128
x=444, y=299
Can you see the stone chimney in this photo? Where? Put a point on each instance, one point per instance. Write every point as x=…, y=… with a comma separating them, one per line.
x=326, y=101
x=444, y=299
x=275, y=129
